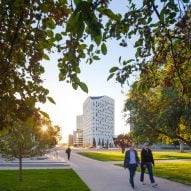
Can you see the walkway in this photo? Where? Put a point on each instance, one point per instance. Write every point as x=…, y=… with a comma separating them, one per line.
x=104, y=176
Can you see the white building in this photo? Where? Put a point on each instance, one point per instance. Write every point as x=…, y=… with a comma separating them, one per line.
x=79, y=131
x=79, y=122
x=98, y=121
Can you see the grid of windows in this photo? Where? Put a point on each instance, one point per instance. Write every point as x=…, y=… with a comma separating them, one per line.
x=98, y=121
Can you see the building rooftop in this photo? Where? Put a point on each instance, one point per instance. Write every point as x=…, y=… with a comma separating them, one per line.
x=96, y=97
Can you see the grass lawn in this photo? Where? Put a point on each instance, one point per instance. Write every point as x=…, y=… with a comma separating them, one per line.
x=171, y=155
x=177, y=171
x=119, y=156
x=104, y=155
x=42, y=180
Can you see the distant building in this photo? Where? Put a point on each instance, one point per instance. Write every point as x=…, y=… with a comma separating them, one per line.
x=98, y=121
x=70, y=139
x=79, y=122
x=79, y=131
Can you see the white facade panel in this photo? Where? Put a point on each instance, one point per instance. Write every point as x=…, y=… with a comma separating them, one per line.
x=98, y=121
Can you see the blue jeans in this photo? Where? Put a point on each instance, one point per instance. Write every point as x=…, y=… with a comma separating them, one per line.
x=132, y=169
x=149, y=167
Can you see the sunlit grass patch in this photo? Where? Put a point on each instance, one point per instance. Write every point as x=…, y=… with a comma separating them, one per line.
x=171, y=155
x=177, y=171
x=119, y=156
x=104, y=155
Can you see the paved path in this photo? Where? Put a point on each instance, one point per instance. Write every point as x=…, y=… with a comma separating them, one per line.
x=104, y=176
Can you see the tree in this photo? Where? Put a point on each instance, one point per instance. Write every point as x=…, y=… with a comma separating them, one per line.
x=123, y=141
x=27, y=138
x=160, y=111
x=94, y=142
x=161, y=30
x=155, y=26
x=31, y=30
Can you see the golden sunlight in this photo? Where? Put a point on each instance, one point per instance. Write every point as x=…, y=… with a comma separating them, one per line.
x=44, y=127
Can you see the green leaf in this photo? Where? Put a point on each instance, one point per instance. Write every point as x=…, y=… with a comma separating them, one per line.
x=97, y=38
x=104, y=49
x=50, y=33
x=75, y=86
x=45, y=114
x=72, y=23
x=82, y=46
x=172, y=15
x=82, y=55
x=51, y=100
x=76, y=2
x=83, y=86
x=62, y=76
x=150, y=19
x=120, y=59
x=77, y=70
x=80, y=26
x=91, y=47
x=109, y=13
x=50, y=24
x=113, y=69
x=110, y=76
x=162, y=15
x=58, y=37
x=128, y=61
x=139, y=42
x=46, y=57
x=96, y=57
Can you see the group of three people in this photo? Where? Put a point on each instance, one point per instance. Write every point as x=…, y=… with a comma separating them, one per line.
x=131, y=162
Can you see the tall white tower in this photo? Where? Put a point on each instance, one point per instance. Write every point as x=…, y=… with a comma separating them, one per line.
x=98, y=121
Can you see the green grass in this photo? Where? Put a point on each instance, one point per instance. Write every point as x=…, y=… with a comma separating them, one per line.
x=104, y=155
x=42, y=180
x=176, y=171
x=171, y=155
x=119, y=156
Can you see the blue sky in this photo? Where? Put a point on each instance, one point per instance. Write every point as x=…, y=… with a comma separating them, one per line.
x=69, y=102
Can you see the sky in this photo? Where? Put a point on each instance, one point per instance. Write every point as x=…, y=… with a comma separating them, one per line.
x=69, y=102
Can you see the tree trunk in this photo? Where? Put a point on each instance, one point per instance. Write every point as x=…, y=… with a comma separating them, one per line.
x=123, y=149
x=181, y=147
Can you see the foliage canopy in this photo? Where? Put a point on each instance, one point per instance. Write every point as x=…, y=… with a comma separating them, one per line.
x=77, y=29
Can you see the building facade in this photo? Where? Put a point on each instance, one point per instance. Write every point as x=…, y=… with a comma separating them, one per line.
x=78, y=142
x=98, y=121
x=70, y=139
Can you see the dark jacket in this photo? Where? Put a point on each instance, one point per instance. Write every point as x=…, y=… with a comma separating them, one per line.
x=68, y=150
x=127, y=158
x=146, y=156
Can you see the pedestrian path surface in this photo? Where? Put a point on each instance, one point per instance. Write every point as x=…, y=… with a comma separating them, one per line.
x=104, y=176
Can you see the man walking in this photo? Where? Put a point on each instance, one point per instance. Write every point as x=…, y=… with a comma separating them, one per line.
x=147, y=161
x=68, y=151
x=131, y=162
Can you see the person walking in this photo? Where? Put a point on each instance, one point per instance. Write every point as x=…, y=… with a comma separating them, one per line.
x=131, y=162
x=68, y=151
x=147, y=162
